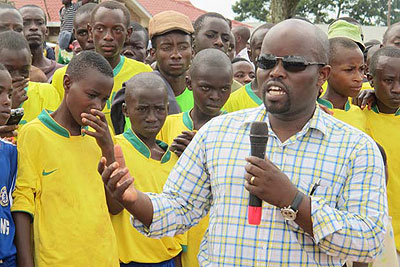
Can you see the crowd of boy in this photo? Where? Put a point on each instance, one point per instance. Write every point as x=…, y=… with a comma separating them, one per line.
x=101, y=130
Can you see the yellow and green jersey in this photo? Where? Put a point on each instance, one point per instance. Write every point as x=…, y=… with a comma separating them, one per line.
x=241, y=99
x=40, y=96
x=385, y=130
x=132, y=245
x=59, y=186
x=126, y=69
x=351, y=114
x=174, y=125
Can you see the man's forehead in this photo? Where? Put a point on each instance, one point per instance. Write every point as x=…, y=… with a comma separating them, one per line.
x=384, y=62
x=211, y=23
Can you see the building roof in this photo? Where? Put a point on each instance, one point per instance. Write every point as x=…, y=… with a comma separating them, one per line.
x=183, y=6
x=50, y=7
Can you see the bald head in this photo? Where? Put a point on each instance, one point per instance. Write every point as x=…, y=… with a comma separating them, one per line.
x=210, y=57
x=309, y=39
x=242, y=36
x=145, y=83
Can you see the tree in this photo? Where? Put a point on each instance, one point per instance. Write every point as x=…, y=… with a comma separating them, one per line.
x=367, y=12
x=282, y=9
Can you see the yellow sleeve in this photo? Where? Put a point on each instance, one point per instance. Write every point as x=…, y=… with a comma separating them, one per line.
x=28, y=173
x=58, y=81
x=49, y=97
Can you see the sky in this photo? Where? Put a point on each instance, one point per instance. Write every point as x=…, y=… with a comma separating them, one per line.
x=220, y=6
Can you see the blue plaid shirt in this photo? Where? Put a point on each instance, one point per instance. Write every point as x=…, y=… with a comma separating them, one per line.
x=348, y=209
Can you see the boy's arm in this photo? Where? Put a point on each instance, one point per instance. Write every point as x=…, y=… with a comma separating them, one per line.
x=97, y=121
x=22, y=222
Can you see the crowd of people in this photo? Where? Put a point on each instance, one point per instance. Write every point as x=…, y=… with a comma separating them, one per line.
x=130, y=146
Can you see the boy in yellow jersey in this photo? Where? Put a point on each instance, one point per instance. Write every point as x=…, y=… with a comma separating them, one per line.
x=33, y=97
x=210, y=78
x=146, y=105
x=345, y=80
x=109, y=27
x=248, y=96
x=59, y=193
x=384, y=122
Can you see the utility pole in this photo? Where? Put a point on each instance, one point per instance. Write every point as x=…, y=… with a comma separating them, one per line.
x=389, y=11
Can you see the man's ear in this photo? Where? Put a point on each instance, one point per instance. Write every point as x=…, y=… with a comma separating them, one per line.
x=89, y=28
x=323, y=75
x=153, y=53
x=124, y=110
x=129, y=33
x=67, y=82
x=370, y=79
x=189, y=82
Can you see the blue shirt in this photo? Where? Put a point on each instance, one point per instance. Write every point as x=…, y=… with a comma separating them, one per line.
x=8, y=170
x=348, y=209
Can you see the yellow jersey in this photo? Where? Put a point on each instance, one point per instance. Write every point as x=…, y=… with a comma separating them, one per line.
x=40, y=96
x=385, y=130
x=59, y=186
x=174, y=125
x=132, y=245
x=351, y=114
x=126, y=69
x=243, y=98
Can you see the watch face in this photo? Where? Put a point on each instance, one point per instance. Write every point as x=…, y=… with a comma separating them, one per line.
x=288, y=214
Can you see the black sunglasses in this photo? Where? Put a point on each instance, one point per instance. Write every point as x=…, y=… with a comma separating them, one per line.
x=290, y=63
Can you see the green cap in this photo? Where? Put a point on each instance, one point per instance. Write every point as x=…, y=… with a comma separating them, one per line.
x=342, y=28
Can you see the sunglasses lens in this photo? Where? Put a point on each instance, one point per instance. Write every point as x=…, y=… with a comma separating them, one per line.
x=294, y=64
x=266, y=63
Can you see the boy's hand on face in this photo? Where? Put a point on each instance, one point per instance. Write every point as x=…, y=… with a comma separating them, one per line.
x=365, y=98
x=97, y=121
x=181, y=142
x=8, y=131
x=19, y=93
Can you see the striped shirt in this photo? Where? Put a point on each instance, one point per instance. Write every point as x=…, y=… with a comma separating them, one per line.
x=67, y=14
x=348, y=209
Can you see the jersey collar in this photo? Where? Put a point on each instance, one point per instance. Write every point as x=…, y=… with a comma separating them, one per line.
x=143, y=148
x=329, y=105
x=118, y=68
x=187, y=120
x=252, y=95
x=376, y=110
x=50, y=123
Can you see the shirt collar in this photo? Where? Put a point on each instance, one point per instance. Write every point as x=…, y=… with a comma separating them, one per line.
x=329, y=104
x=143, y=148
x=50, y=123
x=118, y=68
x=376, y=110
x=316, y=122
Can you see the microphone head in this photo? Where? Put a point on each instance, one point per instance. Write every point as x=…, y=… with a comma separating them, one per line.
x=259, y=128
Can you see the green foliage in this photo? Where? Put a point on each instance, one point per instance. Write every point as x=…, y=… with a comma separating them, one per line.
x=367, y=12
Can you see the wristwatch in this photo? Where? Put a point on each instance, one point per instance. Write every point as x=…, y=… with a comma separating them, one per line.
x=289, y=213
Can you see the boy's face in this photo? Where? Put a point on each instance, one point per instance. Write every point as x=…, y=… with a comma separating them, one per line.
x=35, y=29
x=91, y=92
x=147, y=109
x=136, y=47
x=211, y=88
x=11, y=20
x=393, y=37
x=5, y=96
x=109, y=31
x=386, y=82
x=18, y=63
x=347, y=72
x=255, y=44
x=214, y=33
x=81, y=31
x=243, y=72
x=173, y=53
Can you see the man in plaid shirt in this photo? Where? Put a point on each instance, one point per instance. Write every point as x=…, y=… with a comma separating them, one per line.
x=322, y=182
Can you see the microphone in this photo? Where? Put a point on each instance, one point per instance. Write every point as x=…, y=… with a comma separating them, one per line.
x=258, y=142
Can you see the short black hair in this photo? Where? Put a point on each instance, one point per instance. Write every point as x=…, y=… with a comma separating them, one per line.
x=85, y=9
x=113, y=5
x=210, y=57
x=154, y=38
x=35, y=6
x=198, y=23
x=144, y=80
x=267, y=25
x=388, y=51
x=13, y=41
x=340, y=42
x=136, y=27
x=385, y=35
x=239, y=59
x=85, y=60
